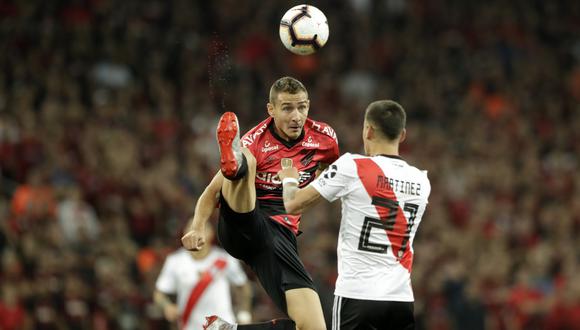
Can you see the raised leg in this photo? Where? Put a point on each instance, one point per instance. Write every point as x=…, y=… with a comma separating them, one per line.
x=237, y=165
x=241, y=193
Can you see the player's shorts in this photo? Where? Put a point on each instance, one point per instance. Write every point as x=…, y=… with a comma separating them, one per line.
x=351, y=314
x=267, y=247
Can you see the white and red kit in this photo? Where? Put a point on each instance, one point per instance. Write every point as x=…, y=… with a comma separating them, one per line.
x=383, y=201
x=204, y=284
x=317, y=144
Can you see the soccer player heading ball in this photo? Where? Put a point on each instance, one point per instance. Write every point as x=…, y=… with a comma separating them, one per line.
x=253, y=224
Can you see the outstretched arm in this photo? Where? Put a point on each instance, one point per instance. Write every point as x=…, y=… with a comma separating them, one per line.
x=194, y=237
x=170, y=310
x=296, y=200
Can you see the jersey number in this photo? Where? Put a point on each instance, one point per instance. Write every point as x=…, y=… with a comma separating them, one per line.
x=386, y=222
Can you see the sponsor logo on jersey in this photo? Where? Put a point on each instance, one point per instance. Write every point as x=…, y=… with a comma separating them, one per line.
x=251, y=137
x=310, y=143
x=267, y=147
x=268, y=187
x=324, y=129
x=272, y=178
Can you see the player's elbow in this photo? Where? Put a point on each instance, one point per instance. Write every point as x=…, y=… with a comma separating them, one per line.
x=293, y=208
x=211, y=191
x=215, y=186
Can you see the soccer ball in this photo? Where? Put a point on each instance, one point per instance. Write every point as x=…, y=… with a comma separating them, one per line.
x=304, y=29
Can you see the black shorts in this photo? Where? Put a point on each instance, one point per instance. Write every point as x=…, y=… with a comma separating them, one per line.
x=358, y=314
x=267, y=247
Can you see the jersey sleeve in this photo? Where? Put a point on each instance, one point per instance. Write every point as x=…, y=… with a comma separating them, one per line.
x=334, y=153
x=331, y=152
x=250, y=139
x=427, y=191
x=235, y=273
x=337, y=179
x=166, y=281
x=251, y=146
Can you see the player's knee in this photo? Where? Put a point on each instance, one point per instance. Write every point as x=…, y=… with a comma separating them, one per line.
x=309, y=325
x=304, y=308
x=306, y=321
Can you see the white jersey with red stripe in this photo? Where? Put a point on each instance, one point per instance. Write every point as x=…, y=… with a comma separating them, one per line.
x=181, y=273
x=383, y=201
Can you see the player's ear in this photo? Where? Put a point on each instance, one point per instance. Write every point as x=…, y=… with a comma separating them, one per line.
x=370, y=132
x=270, y=108
x=403, y=135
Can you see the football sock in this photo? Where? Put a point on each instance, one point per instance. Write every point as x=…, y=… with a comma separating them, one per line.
x=242, y=170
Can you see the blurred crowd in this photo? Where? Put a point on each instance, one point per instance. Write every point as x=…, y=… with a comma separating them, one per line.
x=107, y=123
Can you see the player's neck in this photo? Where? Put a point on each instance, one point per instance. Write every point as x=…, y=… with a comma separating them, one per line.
x=281, y=134
x=285, y=139
x=389, y=149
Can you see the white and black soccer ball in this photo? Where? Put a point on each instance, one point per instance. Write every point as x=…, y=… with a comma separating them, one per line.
x=304, y=29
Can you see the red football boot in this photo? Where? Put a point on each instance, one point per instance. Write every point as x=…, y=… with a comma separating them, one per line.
x=228, y=137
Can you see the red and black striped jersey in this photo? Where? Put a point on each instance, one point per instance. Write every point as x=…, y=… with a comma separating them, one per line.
x=316, y=145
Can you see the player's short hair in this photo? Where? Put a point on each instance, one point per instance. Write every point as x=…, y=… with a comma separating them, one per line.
x=388, y=117
x=287, y=85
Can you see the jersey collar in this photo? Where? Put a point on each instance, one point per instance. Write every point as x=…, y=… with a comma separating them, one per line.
x=391, y=156
x=287, y=144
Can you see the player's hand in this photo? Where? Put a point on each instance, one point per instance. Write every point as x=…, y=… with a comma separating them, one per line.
x=244, y=317
x=171, y=312
x=288, y=171
x=194, y=239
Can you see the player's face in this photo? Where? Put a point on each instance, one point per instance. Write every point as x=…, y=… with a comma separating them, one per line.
x=289, y=112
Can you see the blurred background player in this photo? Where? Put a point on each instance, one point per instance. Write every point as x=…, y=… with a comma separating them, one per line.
x=202, y=281
x=383, y=200
x=253, y=224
